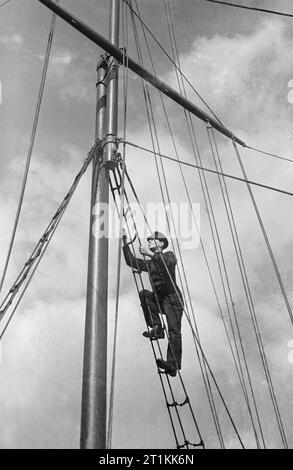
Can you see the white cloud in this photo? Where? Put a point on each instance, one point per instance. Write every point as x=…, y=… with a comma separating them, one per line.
x=64, y=58
x=59, y=64
x=12, y=40
x=34, y=380
x=236, y=74
x=70, y=76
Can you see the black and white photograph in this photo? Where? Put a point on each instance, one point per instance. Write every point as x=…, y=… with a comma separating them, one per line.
x=146, y=227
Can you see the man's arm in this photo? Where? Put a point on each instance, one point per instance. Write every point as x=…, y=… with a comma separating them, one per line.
x=130, y=259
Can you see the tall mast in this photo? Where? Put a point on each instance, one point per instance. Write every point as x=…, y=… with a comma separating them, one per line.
x=94, y=391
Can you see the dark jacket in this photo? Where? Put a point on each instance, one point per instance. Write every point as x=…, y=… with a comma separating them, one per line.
x=159, y=271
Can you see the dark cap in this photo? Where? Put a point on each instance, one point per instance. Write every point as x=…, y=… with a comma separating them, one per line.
x=159, y=236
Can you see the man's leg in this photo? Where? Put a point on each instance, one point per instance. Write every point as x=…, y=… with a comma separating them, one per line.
x=173, y=311
x=150, y=309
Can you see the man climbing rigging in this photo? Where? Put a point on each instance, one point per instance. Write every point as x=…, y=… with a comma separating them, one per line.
x=166, y=297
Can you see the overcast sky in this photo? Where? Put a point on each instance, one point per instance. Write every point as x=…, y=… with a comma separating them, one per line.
x=241, y=63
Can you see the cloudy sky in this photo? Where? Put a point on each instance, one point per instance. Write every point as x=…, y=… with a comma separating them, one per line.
x=241, y=62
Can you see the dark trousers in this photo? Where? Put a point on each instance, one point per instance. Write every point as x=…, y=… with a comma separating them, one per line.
x=170, y=306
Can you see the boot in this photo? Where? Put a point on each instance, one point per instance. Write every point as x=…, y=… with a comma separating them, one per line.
x=156, y=333
x=168, y=367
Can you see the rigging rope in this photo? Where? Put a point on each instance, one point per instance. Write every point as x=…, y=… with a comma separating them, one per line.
x=28, y=281
x=269, y=154
x=46, y=237
x=272, y=256
x=172, y=61
x=202, y=367
x=152, y=152
x=31, y=145
x=246, y=7
x=2, y=4
x=151, y=120
x=250, y=301
x=212, y=220
x=178, y=69
x=234, y=312
x=208, y=170
x=163, y=198
x=170, y=25
x=209, y=210
x=167, y=193
x=190, y=125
